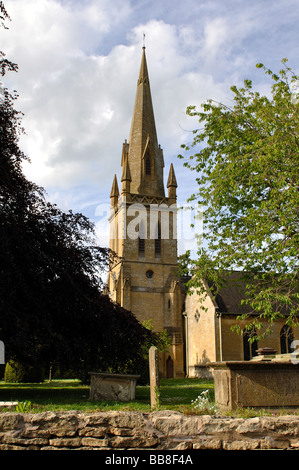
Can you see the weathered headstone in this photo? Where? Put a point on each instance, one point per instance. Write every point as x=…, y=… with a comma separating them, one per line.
x=154, y=376
x=119, y=387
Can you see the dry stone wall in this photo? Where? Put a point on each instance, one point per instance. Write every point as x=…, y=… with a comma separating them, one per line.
x=133, y=430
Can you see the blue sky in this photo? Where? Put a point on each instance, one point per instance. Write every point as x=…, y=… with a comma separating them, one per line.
x=78, y=68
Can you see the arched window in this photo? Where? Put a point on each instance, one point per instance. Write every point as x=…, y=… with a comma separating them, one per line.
x=158, y=241
x=286, y=339
x=148, y=165
x=141, y=240
x=249, y=347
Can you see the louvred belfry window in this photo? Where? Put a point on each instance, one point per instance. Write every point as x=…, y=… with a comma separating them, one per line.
x=158, y=241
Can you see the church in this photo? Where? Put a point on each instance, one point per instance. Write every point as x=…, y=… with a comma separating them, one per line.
x=144, y=276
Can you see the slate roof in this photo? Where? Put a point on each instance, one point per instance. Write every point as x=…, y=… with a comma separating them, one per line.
x=231, y=294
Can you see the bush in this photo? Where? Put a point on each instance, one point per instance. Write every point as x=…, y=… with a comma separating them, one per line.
x=16, y=372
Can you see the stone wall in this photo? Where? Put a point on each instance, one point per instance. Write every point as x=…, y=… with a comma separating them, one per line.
x=162, y=430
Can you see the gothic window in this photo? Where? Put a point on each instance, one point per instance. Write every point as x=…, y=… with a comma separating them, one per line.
x=148, y=165
x=158, y=241
x=141, y=240
x=286, y=339
x=249, y=347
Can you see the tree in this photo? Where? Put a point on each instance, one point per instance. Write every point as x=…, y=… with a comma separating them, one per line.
x=248, y=185
x=52, y=305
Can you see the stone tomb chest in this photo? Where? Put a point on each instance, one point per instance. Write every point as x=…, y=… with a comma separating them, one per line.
x=264, y=384
x=118, y=387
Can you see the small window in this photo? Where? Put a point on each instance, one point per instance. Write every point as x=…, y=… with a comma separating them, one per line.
x=148, y=166
x=149, y=274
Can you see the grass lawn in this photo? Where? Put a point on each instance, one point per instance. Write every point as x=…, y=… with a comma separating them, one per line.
x=175, y=394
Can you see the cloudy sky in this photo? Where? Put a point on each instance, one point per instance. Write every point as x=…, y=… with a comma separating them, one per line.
x=78, y=68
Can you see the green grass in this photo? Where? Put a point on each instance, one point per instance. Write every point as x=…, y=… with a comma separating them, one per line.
x=70, y=394
x=175, y=394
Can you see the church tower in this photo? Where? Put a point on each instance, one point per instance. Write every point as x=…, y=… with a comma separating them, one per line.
x=144, y=278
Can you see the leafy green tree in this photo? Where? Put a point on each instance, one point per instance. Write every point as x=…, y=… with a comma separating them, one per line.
x=52, y=305
x=247, y=165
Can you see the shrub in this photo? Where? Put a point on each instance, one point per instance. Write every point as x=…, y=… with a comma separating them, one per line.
x=16, y=372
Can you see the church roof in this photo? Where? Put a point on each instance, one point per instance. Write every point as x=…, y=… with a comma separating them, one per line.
x=229, y=298
x=230, y=295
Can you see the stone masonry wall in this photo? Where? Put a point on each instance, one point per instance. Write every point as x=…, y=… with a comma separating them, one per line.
x=162, y=430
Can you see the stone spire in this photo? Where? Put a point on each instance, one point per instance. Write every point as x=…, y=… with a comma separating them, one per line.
x=145, y=157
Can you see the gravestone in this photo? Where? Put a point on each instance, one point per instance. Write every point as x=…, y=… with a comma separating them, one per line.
x=154, y=376
x=117, y=387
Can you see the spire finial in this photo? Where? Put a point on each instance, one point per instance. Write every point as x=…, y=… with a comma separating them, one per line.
x=143, y=46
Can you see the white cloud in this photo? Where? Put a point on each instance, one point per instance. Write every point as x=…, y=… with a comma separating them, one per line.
x=78, y=68
x=74, y=110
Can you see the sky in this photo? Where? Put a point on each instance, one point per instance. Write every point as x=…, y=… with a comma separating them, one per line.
x=78, y=68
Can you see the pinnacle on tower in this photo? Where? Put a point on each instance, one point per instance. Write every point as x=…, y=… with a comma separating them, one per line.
x=171, y=178
x=172, y=183
x=126, y=175
x=114, y=192
x=126, y=178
